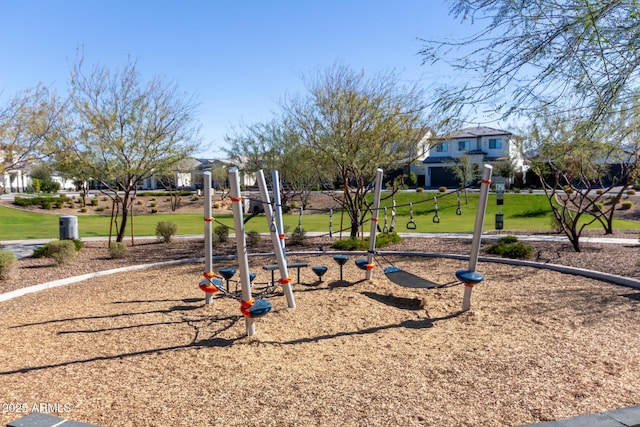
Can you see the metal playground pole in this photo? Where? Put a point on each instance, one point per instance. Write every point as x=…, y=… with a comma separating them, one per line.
x=208, y=244
x=374, y=223
x=470, y=277
x=285, y=280
x=241, y=245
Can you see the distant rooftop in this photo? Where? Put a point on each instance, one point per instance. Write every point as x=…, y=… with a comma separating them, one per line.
x=475, y=132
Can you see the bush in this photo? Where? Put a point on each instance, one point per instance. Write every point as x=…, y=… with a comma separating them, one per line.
x=94, y=202
x=100, y=209
x=154, y=210
x=253, y=238
x=61, y=251
x=153, y=204
x=420, y=190
x=298, y=236
x=631, y=192
x=165, y=230
x=117, y=250
x=510, y=247
x=383, y=240
x=442, y=189
x=40, y=252
x=78, y=244
x=84, y=210
x=626, y=205
x=351, y=244
x=221, y=233
x=8, y=262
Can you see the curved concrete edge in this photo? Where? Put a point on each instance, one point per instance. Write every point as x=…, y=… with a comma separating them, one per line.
x=624, y=417
x=597, y=275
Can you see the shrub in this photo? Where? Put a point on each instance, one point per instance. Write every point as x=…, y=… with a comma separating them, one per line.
x=508, y=239
x=253, y=238
x=216, y=205
x=383, y=240
x=58, y=204
x=46, y=204
x=153, y=204
x=442, y=189
x=40, y=252
x=631, y=192
x=8, y=262
x=61, y=251
x=221, y=233
x=599, y=191
x=626, y=205
x=154, y=210
x=84, y=210
x=117, y=250
x=298, y=236
x=140, y=202
x=165, y=230
x=351, y=244
x=100, y=209
x=195, y=198
x=78, y=244
x=420, y=190
x=598, y=207
x=94, y=202
x=510, y=247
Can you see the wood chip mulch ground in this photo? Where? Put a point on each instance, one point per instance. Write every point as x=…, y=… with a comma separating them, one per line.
x=142, y=349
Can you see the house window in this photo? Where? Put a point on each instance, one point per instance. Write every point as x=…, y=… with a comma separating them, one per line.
x=495, y=143
x=463, y=145
x=443, y=147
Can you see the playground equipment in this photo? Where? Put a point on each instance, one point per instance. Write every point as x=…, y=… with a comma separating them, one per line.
x=469, y=276
x=249, y=306
x=403, y=278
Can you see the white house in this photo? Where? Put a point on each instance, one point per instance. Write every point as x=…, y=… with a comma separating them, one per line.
x=480, y=145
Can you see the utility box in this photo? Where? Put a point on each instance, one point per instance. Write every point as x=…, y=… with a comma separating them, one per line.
x=69, y=227
x=499, y=221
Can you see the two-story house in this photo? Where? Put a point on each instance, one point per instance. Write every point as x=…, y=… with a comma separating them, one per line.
x=477, y=145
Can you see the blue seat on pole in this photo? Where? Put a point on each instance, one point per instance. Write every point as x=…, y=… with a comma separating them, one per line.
x=341, y=260
x=227, y=273
x=362, y=263
x=252, y=277
x=319, y=270
x=260, y=308
x=469, y=277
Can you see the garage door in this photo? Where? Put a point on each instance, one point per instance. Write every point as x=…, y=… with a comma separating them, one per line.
x=443, y=177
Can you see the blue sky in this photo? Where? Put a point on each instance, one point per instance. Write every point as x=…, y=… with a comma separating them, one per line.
x=239, y=58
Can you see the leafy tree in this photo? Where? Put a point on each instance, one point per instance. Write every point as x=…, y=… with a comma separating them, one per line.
x=126, y=130
x=353, y=125
x=29, y=122
x=272, y=146
x=506, y=169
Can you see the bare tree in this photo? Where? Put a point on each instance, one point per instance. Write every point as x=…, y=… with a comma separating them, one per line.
x=126, y=130
x=576, y=173
x=578, y=56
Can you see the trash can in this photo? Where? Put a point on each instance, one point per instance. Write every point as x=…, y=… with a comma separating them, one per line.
x=499, y=221
x=69, y=227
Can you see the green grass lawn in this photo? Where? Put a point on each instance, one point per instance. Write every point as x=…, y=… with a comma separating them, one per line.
x=521, y=212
